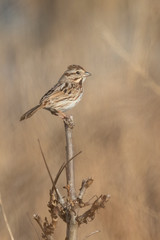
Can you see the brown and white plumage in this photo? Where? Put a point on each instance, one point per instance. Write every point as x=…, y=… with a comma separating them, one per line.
x=64, y=95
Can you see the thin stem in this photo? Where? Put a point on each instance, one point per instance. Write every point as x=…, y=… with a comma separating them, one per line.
x=33, y=225
x=60, y=170
x=72, y=224
x=5, y=219
x=70, y=166
x=64, y=166
x=44, y=159
x=92, y=233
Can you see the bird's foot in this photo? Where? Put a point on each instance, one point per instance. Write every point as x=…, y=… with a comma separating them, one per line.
x=69, y=121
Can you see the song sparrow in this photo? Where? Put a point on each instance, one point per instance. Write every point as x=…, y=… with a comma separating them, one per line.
x=64, y=95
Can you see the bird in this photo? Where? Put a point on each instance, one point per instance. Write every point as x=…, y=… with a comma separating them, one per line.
x=64, y=95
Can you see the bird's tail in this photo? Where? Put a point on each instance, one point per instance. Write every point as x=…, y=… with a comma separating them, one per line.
x=29, y=113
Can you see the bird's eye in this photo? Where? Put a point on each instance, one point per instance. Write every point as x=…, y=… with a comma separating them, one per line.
x=78, y=72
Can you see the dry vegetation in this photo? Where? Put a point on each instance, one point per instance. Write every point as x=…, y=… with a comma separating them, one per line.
x=117, y=122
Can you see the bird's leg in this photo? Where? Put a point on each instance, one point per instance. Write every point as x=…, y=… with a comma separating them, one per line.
x=65, y=118
x=61, y=114
x=58, y=113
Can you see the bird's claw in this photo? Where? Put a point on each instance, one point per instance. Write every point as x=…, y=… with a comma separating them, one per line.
x=69, y=121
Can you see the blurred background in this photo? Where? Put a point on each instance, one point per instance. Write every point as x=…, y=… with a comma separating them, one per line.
x=117, y=122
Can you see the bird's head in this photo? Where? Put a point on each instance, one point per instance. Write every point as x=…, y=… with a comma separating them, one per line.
x=76, y=73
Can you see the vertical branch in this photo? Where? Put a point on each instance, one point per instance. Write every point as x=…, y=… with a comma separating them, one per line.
x=70, y=166
x=72, y=225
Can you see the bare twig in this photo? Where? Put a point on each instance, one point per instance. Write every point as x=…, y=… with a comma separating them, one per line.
x=39, y=220
x=49, y=173
x=60, y=198
x=63, y=167
x=72, y=224
x=92, y=233
x=70, y=166
x=67, y=207
x=89, y=215
x=33, y=225
x=46, y=227
x=5, y=219
x=85, y=184
x=54, y=209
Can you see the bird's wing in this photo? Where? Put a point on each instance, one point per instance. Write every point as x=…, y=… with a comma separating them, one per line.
x=56, y=91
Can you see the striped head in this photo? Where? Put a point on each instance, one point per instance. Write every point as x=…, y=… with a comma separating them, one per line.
x=76, y=73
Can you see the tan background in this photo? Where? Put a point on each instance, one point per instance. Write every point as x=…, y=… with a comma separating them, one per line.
x=117, y=122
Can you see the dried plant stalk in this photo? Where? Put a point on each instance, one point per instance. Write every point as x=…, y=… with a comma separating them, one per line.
x=72, y=224
x=70, y=165
x=67, y=207
x=5, y=219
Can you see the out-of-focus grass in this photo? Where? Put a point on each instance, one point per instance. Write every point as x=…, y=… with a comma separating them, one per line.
x=117, y=122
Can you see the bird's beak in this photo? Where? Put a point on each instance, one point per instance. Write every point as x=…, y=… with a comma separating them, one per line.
x=87, y=74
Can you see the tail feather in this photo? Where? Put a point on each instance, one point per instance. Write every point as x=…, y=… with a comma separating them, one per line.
x=29, y=113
